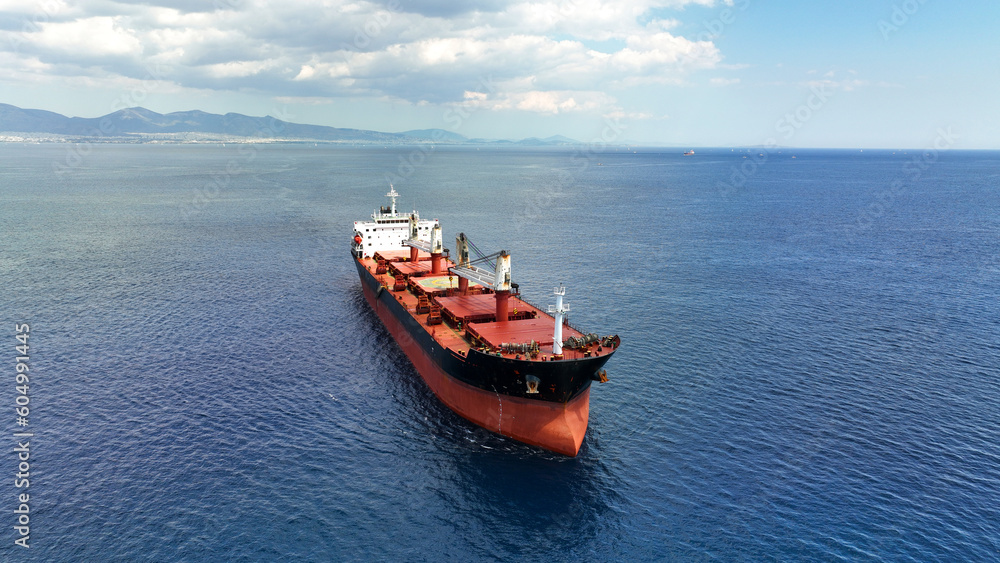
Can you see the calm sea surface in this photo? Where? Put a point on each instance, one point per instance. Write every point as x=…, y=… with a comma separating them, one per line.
x=810, y=366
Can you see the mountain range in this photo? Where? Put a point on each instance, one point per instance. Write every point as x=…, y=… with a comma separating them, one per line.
x=138, y=124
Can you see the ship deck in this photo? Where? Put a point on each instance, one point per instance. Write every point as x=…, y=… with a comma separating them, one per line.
x=527, y=330
x=399, y=255
x=482, y=308
x=439, y=283
x=469, y=320
x=408, y=269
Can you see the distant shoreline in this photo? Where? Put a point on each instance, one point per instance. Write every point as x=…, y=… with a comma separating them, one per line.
x=21, y=138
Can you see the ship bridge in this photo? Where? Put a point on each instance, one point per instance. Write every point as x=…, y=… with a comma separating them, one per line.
x=389, y=229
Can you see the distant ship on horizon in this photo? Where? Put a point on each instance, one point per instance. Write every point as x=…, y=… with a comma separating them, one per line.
x=689, y=153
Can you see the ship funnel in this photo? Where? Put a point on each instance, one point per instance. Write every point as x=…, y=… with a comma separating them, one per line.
x=559, y=312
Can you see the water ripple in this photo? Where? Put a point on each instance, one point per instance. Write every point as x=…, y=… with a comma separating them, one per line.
x=217, y=388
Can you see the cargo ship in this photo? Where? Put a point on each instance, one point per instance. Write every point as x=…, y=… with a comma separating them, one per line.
x=489, y=355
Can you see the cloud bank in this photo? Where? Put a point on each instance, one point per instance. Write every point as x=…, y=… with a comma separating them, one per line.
x=548, y=57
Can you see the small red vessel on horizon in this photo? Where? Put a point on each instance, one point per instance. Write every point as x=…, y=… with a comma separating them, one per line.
x=487, y=354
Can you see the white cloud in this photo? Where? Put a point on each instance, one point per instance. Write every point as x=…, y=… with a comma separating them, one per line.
x=723, y=81
x=662, y=25
x=541, y=55
x=305, y=73
x=634, y=115
x=546, y=102
x=522, y=62
x=18, y=68
x=89, y=36
x=830, y=82
x=235, y=69
x=303, y=100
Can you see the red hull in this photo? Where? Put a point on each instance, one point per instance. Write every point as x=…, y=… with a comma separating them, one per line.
x=559, y=427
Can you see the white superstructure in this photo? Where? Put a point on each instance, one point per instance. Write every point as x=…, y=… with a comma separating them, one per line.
x=388, y=229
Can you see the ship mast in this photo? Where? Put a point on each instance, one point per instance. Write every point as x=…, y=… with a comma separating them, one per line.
x=414, y=241
x=392, y=194
x=501, y=285
x=436, y=248
x=462, y=249
x=559, y=312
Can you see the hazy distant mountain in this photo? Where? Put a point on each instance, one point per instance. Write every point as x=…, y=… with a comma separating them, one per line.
x=441, y=135
x=554, y=140
x=141, y=121
x=137, y=123
x=29, y=120
x=560, y=140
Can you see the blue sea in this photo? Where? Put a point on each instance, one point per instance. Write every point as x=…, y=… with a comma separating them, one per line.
x=810, y=367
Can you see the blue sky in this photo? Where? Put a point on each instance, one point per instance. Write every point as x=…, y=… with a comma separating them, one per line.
x=873, y=74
